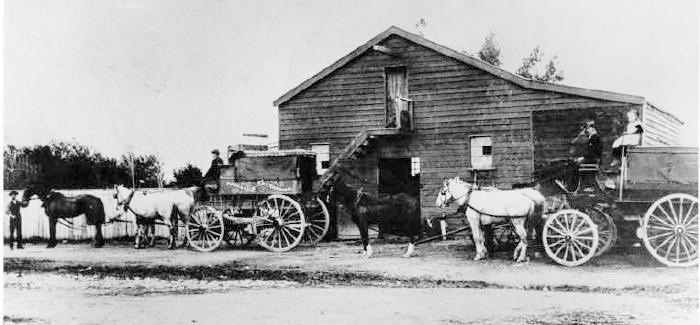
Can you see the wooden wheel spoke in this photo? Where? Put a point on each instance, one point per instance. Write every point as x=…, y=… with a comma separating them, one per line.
x=685, y=248
x=664, y=222
x=661, y=228
x=665, y=213
x=585, y=231
x=577, y=242
x=690, y=211
x=556, y=230
x=216, y=235
x=669, y=233
x=670, y=247
x=668, y=239
x=673, y=211
x=576, y=248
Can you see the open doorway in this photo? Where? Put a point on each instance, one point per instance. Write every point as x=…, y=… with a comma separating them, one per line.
x=399, y=175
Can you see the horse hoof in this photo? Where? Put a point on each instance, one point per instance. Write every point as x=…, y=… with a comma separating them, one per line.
x=98, y=245
x=51, y=245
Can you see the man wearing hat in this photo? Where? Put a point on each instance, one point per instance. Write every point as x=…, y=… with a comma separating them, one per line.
x=13, y=210
x=213, y=172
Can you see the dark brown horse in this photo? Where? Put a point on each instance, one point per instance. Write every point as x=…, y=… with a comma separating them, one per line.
x=396, y=214
x=57, y=205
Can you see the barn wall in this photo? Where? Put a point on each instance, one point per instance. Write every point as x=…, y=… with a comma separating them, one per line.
x=452, y=101
x=660, y=128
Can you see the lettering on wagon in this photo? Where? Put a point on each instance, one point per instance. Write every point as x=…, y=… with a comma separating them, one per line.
x=258, y=186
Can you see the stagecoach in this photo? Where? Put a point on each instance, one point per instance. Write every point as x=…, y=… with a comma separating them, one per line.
x=654, y=198
x=263, y=196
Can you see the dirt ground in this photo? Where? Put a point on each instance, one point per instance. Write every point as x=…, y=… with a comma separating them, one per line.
x=49, y=298
x=444, y=263
x=330, y=283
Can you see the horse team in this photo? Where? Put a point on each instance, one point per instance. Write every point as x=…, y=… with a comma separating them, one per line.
x=396, y=214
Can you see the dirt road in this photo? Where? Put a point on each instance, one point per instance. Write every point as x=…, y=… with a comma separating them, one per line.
x=46, y=298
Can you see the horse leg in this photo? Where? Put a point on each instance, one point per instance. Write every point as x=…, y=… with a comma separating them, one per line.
x=411, y=247
x=139, y=234
x=477, y=235
x=173, y=229
x=520, y=253
x=99, y=241
x=367, y=248
x=151, y=228
x=52, y=232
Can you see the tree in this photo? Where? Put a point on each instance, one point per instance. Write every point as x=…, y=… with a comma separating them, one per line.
x=147, y=169
x=187, y=176
x=530, y=68
x=490, y=51
x=61, y=165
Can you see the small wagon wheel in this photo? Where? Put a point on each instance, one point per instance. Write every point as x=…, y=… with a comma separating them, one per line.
x=318, y=221
x=570, y=237
x=280, y=222
x=607, y=230
x=670, y=230
x=205, y=229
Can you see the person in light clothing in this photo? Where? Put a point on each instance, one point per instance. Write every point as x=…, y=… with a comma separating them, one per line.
x=631, y=137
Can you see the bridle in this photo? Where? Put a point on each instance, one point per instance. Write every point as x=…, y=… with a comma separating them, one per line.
x=125, y=202
x=446, y=189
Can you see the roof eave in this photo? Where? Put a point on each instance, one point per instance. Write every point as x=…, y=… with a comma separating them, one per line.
x=496, y=71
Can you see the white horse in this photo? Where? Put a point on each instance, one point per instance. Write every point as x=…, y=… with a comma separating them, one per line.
x=166, y=205
x=486, y=207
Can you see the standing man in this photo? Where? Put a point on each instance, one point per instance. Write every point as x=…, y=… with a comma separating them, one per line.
x=13, y=210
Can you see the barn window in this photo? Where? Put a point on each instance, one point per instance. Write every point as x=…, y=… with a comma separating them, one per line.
x=415, y=166
x=323, y=157
x=481, y=152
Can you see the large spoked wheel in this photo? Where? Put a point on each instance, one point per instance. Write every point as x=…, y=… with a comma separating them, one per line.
x=570, y=237
x=280, y=223
x=670, y=230
x=607, y=231
x=318, y=221
x=205, y=229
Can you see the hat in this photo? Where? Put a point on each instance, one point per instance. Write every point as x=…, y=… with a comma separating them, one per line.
x=216, y=151
x=13, y=193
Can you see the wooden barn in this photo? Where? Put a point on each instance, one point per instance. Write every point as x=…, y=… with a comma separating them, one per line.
x=401, y=113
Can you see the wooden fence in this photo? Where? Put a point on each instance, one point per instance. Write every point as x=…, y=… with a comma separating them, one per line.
x=35, y=222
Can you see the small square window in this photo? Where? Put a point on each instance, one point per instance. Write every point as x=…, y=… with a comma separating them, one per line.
x=415, y=166
x=323, y=157
x=481, y=152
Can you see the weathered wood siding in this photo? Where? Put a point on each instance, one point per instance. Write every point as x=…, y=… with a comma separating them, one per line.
x=660, y=128
x=452, y=101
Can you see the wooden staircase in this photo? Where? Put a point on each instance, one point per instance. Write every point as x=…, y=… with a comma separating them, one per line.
x=358, y=147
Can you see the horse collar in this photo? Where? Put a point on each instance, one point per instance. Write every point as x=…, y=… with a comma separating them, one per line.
x=128, y=200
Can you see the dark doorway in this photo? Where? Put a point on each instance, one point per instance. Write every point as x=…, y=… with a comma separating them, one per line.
x=395, y=177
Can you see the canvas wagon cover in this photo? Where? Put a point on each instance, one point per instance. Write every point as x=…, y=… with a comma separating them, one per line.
x=267, y=168
x=663, y=165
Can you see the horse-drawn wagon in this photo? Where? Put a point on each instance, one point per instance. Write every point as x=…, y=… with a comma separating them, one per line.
x=655, y=192
x=654, y=196
x=263, y=195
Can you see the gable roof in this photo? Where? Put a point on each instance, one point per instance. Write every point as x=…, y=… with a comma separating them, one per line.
x=498, y=72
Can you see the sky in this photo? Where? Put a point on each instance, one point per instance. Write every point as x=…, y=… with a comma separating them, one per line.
x=179, y=78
